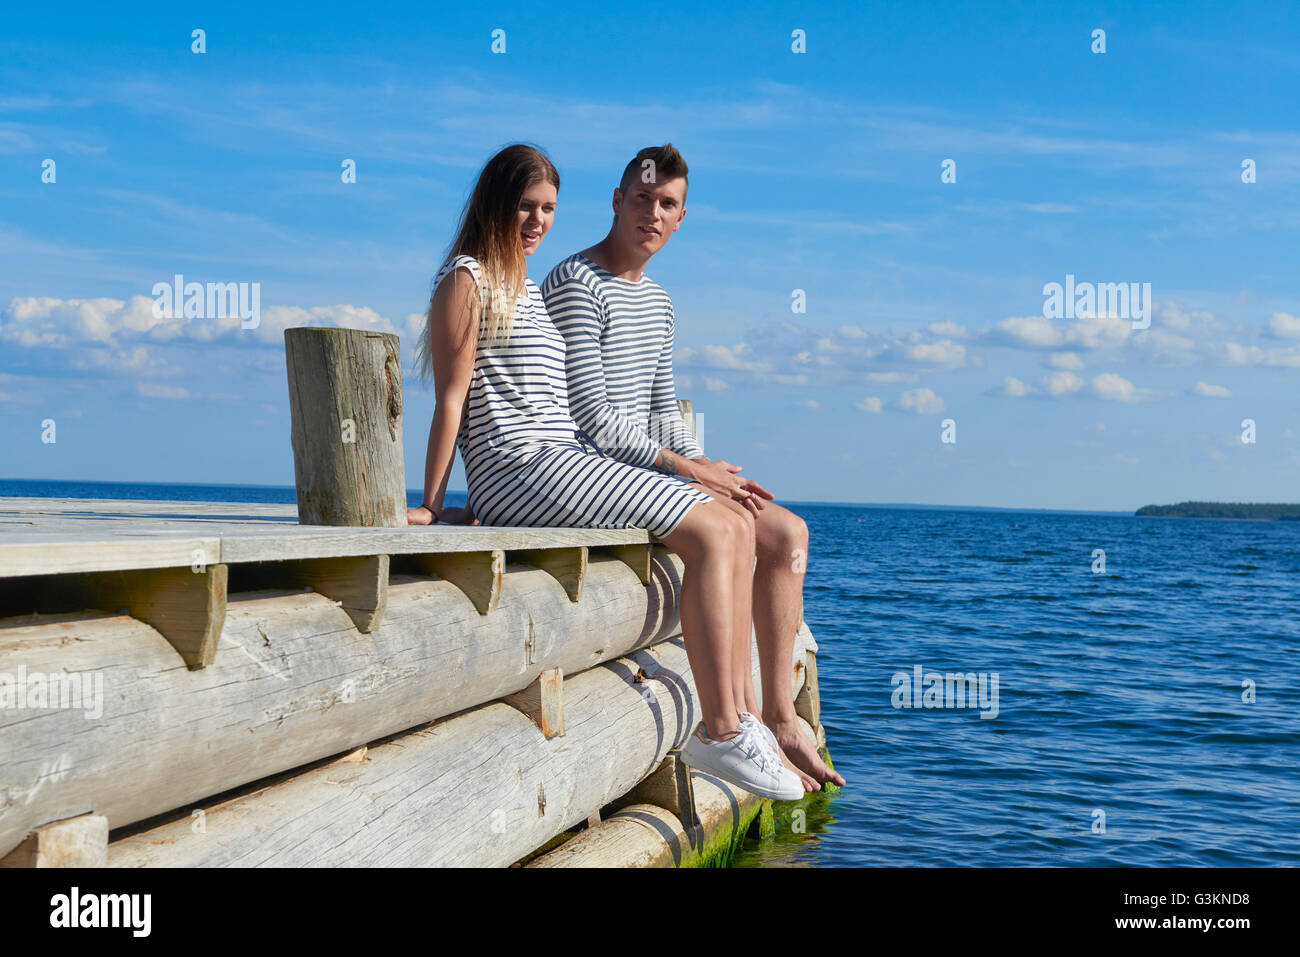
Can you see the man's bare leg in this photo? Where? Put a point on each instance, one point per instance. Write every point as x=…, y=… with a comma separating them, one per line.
x=742, y=670
x=781, y=539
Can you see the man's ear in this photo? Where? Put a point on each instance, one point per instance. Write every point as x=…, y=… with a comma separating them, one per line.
x=617, y=202
x=680, y=218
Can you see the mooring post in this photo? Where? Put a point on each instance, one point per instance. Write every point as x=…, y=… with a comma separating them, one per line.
x=345, y=399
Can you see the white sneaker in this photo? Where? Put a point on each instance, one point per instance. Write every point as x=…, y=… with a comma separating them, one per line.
x=764, y=731
x=744, y=761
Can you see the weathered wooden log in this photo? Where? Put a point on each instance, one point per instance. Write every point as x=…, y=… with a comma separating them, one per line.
x=78, y=842
x=653, y=835
x=345, y=401
x=483, y=788
x=292, y=682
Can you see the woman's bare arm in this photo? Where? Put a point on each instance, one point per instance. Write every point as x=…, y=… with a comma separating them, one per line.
x=453, y=326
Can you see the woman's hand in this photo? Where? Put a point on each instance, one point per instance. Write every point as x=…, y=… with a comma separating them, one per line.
x=420, y=515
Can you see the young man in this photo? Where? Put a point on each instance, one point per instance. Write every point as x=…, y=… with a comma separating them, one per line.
x=618, y=328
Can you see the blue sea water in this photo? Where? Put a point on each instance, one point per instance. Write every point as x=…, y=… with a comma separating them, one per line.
x=1119, y=693
x=1121, y=735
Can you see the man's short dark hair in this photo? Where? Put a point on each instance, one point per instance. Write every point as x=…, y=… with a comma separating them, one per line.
x=668, y=164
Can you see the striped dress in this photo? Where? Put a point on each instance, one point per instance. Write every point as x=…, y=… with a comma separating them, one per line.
x=619, y=338
x=526, y=461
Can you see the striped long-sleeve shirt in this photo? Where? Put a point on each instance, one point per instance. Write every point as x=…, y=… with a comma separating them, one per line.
x=619, y=360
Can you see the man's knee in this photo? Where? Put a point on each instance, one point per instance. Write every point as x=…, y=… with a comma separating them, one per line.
x=784, y=538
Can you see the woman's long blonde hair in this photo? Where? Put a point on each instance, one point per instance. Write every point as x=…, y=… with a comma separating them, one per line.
x=488, y=231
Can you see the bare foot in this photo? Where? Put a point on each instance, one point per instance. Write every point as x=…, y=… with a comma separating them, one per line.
x=803, y=753
x=808, y=783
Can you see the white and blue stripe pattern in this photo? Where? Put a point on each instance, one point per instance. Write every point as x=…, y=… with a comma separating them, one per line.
x=525, y=460
x=619, y=338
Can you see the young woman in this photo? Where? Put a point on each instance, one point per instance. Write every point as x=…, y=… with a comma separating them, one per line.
x=501, y=395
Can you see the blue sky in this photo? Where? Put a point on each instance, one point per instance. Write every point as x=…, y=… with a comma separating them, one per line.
x=818, y=171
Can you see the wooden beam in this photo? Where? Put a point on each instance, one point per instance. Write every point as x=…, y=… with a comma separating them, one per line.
x=568, y=566
x=477, y=574
x=635, y=557
x=74, y=842
x=808, y=703
x=543, y=701
x=670, y=787
x=358, y=583
x=187, y=607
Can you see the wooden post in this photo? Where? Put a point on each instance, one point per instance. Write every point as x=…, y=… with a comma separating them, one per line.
x=687, y=408
x=345, y=401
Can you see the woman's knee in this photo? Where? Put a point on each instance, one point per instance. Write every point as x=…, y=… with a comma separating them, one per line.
x=709, y=528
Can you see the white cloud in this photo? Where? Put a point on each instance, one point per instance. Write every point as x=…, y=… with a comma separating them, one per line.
x=1034, y=332
x=921, y=401
x=1039, y=332
x=851, y=332
x=1065, y=360
x=948, y=329
x=64, y=323
x=714, y=385
x=888, y=377
x=944, y=352
x=808, y=404
x=734, y=357
x=1211, y=391
x=1062, y=383
x=415, y=329
x=1285, y=325
x=1116, y=388
x=1235, y=354
x=1011, y=388
x=869, y=404
x=155, y=391
x=1173, y=316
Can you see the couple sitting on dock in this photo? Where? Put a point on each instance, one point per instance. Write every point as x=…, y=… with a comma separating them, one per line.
x=561, y=400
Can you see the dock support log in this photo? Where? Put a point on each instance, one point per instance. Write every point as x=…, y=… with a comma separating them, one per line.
x=483, y=788
x=186, y=606
x=477, y=574
x=670, y=787
x=635, y=557
x=76, y=842
x=568, y=566
x=345, y=402
x=358, y=583
x=543, y=701
x=808, y=704
x=292, y=682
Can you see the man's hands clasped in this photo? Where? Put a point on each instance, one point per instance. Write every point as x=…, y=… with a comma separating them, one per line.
x=723, y=478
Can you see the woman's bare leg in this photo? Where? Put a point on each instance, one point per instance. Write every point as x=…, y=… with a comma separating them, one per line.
x=707, y=540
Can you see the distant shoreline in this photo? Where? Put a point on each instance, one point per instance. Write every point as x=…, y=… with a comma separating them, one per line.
x=1258, y=512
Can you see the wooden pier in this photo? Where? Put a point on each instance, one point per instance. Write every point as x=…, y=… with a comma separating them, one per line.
x=231, y=684
x=277, y=694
